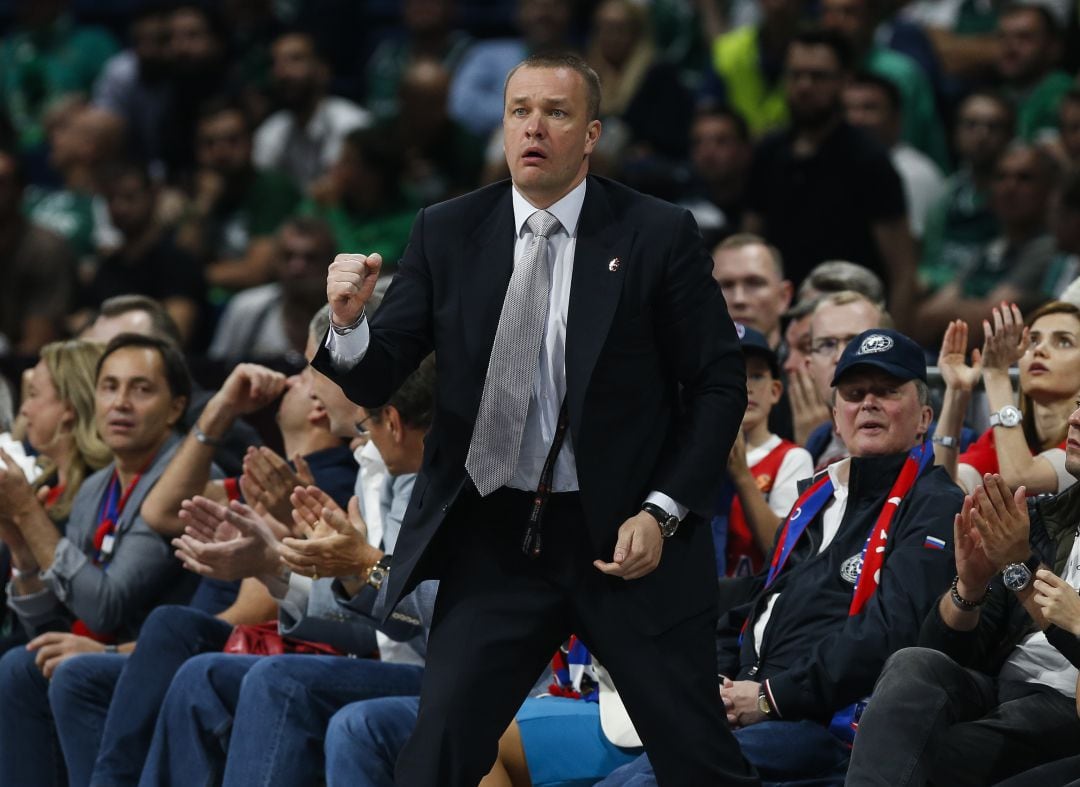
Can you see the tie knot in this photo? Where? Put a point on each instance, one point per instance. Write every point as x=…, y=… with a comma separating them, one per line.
x=542, y=223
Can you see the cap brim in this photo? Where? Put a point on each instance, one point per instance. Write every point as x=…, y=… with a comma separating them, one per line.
x=901, y=373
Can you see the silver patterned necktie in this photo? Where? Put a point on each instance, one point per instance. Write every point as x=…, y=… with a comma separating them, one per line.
x=500, y=423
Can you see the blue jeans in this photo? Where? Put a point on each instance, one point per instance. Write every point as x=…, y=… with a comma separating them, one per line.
x=364, y=739
x=796, y=752
x=79, y=695
x=29, y=750
x=169, y=637
x=270, y=712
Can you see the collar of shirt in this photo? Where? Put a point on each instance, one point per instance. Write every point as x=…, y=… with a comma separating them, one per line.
x=567, y=210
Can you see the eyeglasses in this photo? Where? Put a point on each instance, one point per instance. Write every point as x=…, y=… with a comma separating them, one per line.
x=360, y=428
x=830, y=346
x=857, y=393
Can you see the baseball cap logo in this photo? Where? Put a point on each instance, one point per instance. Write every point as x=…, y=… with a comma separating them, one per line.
x=875, y=343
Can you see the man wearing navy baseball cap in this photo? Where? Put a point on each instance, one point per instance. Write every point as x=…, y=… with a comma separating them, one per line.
x=855, y=568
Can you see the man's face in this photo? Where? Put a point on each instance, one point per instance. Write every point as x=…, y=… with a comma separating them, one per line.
x=1022, y=190
x=752, y=287
x=298, y=408
x=134, y=408
x=832, y=326
x=982, y=131
x=547, y=136
x=1025, y=48
x=716, y=151
x=867, y=107
x=797, y=338
x=150, y=40
x=192, y=44
x=1069, y=128
x=877, y=414
x=298, y=74
x=131, y=205
x=302, y=260
x=815, y=83
x=544, y=22
x=342, y=413
x=1072, y=444
x=849, y=18
x=224, y=144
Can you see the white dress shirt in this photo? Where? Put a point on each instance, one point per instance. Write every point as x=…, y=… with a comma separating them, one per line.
x=549, y=382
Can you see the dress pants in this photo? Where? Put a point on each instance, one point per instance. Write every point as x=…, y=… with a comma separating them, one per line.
x=500, y=615
x=931, y=721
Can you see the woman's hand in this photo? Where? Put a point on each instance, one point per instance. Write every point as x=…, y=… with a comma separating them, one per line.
x=1059, y=601
x=957, y=373
x=1006, y=340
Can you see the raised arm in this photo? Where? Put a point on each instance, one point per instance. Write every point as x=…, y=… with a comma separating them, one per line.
x=960, y=379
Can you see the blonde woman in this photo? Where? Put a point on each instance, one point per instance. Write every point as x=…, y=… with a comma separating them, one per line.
x=58, y=413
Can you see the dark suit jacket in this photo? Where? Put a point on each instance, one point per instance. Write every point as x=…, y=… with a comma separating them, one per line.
x=654, y=374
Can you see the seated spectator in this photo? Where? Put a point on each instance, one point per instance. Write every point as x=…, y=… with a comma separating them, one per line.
x=873, y=103
x=257, y=697
x=366, y=208
x=235, y=206
x=84, y=141
x=644, y=107
x=1013, y=267
x=43, y=58
x=962, y=223
x=720, y=154
x=850, y=203
x=37, y=268
x=147, y=261
x=836, y=319
x=108, y=569
x=442, y=158
x=750, y=62
x=962, y=33
x=143, y=315
x=921, y=128
x=271, y=321
x=426, y=32
x=1069, y=126
x=1029, y=46
x=1026, y=445
x=989, y=691
x=476, y=92
x=133, y=84
x=763, y=469
x=303, y=138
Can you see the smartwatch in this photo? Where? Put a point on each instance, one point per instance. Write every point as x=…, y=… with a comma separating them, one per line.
x=668, y=522
x=1008, y=416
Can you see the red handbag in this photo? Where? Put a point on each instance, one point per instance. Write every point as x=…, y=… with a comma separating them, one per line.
x=263, y=639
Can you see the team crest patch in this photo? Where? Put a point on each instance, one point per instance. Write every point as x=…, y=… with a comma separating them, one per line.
x=875, y=343
x=849, y=569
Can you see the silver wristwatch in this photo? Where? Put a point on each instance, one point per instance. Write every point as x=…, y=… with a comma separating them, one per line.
x=349, y=328
x=1008, y=416
x=1017, y=576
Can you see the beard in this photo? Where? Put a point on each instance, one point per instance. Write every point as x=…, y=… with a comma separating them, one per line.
x=815, y=118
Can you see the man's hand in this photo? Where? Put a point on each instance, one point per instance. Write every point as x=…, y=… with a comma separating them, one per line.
x=1002, y=521
x=269, y=481
x=227, y=543
x=637, y=550
x=337, y=548
x=1059, y=601
x=807, y=410
x=308, y=505
x=741, y=702
x=974, y=568
x=55, y=647
x=248, y=388
x=350, y=281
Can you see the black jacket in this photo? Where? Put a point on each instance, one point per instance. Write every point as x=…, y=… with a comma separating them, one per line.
x=1004, y=622
x=816, y=658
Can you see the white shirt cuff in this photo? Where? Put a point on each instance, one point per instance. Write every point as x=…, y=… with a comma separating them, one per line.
x=666, y=503
x=346, y=351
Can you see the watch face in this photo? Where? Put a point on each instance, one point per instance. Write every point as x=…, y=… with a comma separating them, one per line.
x=1010, y=416
x=1016, y=576
x=669, y=527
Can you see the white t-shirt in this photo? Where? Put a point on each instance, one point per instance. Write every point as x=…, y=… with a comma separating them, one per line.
x=795, y=466
x=969, y=478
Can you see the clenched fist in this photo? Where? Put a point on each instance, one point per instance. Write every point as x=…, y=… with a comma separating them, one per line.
x=350, y=280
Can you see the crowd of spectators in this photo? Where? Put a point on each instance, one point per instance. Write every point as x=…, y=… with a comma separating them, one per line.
x=870, y=176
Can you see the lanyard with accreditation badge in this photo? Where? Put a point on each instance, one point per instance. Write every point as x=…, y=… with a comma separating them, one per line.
x=112, y=508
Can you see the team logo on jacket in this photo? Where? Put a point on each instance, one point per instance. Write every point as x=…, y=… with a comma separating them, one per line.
x=875, y=343
x=850, y=568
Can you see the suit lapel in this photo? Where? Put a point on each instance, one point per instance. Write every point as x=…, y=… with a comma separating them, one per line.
x=486, y=268
x=601, y=261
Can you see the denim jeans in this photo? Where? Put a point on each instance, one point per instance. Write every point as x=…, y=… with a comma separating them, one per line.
x=364, y=739
x=79, y=695
x=169, y=637
x=268, y=713
x=784, y=752
x=29, y=749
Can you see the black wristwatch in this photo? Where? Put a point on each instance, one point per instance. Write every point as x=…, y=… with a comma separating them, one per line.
x=1017, y=576
x=669, y=523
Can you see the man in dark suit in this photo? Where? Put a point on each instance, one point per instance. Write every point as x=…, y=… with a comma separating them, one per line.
x=561, y=306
